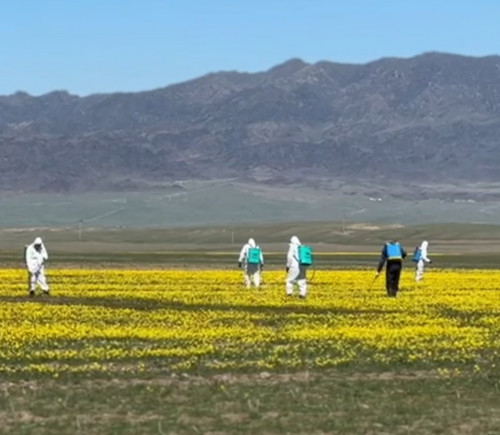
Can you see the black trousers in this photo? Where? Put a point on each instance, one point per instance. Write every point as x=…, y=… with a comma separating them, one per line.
x=392, y=275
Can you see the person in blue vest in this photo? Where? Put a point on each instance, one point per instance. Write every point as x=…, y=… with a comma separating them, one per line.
x=252, y=261
x=392, y=257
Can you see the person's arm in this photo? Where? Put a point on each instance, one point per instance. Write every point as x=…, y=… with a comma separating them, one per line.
x=45, y=255
x=403, y=253
x=289, y=257
x=243, y=254
x=424, y=256
x=32, y=261
x=381, y=262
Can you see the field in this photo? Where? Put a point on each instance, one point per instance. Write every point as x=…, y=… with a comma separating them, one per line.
x=338, y=245
x=193, y=351
x=229, y=202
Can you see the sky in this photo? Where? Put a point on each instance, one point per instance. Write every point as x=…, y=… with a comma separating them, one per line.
x=103, y=46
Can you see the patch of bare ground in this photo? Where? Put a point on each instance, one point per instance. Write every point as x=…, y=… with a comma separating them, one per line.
x=7, y=417
x=392, y=376
x=236, y=417
x=190, y=420
x=261, y=378
x=371, y=227
x=473, y=426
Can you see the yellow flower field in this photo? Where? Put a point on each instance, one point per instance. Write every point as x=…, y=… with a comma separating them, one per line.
x=143, y=321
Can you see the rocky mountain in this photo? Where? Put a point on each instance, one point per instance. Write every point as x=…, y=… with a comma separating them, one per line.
x=433, y=118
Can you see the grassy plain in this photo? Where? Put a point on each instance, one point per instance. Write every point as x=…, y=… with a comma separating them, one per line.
x=139, y=349
x=224, y=202
x=192, y=351
x=337, y=244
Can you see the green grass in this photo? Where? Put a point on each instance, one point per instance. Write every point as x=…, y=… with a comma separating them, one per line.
x=338, y=245
x=328, y=235
x=274, y=261
x=355, y=398
x=222, y=202
x=330, y=401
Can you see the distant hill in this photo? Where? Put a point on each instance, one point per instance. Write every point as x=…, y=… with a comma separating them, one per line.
x=433, y=118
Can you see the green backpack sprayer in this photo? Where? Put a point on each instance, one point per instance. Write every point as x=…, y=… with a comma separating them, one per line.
x=306, y=258
x=254, y=256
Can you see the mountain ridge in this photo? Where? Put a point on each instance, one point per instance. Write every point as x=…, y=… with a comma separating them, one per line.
x=432, y=118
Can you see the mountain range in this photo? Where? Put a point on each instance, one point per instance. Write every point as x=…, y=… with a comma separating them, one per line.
x=433, y=118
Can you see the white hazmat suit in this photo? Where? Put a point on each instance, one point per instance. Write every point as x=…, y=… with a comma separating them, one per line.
x=419, y=275
x=252, y=271
x=36, y=255
x=296, y=271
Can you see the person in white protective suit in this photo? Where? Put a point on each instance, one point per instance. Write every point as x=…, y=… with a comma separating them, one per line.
x=36, y=256
x=423, y=259
x=296, y=273
x=252, y=269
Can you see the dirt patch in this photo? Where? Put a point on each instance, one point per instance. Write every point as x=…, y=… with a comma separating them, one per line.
x=363, y=227
x=190, y=420
x=395, y=376
x=470, y=428
x=262, y=378
x=371, y=227
x=7, y=418
x=235, y=418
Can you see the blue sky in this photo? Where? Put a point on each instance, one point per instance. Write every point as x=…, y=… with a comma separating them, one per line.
x=101, y=46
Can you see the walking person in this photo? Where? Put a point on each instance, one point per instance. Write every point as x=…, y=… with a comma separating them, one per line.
x=299, y=257
x=252, y=261
x=35, y=257
x=392, y=257
x=421, y=258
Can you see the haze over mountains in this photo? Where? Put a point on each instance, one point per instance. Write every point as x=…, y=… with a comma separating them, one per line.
x=433, y=118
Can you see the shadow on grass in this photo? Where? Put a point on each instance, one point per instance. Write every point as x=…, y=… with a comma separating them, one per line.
x=291, y=305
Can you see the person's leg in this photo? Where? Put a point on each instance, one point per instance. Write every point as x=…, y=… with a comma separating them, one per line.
x=251, y=270
x=42, y=281
x=388, y=280
x=256, y=278
x=291, y=278
x=302, y=287
x=420, y=270
x=246, y=275
x=396, y=276
x=302, y=281
x=32, y=283
x=393, y=278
